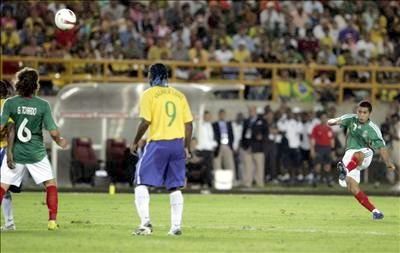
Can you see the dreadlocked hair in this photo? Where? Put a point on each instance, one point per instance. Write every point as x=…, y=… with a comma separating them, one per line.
x=6, y=89
x=27, y=82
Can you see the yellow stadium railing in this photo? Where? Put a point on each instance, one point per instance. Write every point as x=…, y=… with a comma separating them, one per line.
x=70, y=70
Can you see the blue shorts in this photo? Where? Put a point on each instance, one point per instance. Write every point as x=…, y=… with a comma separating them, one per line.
x=162, y=163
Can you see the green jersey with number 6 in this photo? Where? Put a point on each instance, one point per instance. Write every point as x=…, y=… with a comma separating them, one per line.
x=30, y=115
x=359, y=135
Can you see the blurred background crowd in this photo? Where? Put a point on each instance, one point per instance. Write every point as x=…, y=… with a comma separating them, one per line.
x=324, y=32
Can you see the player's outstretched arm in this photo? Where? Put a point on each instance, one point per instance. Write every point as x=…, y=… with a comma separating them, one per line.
x=142, y=128
x=10, y=145
x=334, y=122
x=56, y=136
x=386, y=158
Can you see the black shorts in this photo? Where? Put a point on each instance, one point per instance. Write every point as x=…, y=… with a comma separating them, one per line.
x=323, y=154
x=14, y=189
x=305, y=155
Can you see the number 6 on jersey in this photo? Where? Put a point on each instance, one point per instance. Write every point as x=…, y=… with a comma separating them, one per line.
x=22, y=128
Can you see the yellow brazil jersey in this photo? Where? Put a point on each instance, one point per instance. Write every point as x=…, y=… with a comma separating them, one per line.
x=3, y=133
x=167, y=109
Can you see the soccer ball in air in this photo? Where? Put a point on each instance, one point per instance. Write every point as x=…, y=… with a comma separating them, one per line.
x=65, y=19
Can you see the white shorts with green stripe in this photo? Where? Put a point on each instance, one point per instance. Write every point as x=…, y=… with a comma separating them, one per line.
x=355, y=174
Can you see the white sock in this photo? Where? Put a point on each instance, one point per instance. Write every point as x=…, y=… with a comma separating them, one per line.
x=142, y=201
x=7, y=209
x=176, y=200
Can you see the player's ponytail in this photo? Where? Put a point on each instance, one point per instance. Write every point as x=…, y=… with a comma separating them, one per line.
x=27, y=82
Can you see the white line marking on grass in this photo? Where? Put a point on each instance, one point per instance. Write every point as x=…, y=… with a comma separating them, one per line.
x=261, y=229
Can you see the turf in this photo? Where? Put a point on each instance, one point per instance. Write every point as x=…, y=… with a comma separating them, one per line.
x=212, y=223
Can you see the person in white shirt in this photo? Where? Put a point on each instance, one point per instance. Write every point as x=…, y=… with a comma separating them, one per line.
x=225, y=55
x=366, y=44
x=310, y=6
x=292, y=130
x=305, y=145
x=269, y=17
x=206, y=145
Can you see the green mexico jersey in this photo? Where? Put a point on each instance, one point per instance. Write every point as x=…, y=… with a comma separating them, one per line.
x=359, y=136
x=30, y=116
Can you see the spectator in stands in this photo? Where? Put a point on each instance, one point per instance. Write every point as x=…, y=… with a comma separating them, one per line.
x=10, y=40
x=310, y=6
x=173, y=14
x=180, y=52
x=243, y=39
x=133, y=50
x=308, y=43
x=224, y=54
x=32, y=49
x=162, y=29
x=223, y=135
x=254, y=136
x=198, y=55
x=271, y=17
x=241, y=54
x=326, y=56
x=115, y=9
x=7, y=17
x=159, y=51
x=366, y=44
x=326, y=94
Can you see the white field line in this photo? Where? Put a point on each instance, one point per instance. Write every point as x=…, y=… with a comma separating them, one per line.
x=161, y=227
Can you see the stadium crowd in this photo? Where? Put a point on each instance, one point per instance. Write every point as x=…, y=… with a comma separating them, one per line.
x=324, y=32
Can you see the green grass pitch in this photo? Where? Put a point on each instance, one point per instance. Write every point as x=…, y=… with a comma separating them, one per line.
x=212, y=223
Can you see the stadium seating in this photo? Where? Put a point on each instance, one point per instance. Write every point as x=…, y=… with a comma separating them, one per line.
x=115, y=161
x=84, y=162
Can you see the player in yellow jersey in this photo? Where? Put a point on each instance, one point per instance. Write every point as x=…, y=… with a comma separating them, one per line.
x=166, y=113
x=7, y=90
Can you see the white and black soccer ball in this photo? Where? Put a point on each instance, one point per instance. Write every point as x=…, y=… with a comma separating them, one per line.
x=65, y=19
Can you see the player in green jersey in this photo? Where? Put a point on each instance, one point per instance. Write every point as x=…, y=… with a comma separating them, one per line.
x=363, y=138
x=27, y=151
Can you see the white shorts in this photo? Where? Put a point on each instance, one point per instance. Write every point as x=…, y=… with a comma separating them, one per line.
x=355, y=174
x=40, y=172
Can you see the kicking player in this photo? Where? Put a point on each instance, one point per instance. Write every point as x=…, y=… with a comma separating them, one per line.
x=166, y=112
x=363, y=137
x=30, y=113
x=7, y=90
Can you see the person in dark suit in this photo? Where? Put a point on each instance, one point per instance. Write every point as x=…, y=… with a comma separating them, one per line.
x=223, y=135
x=255, y=134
